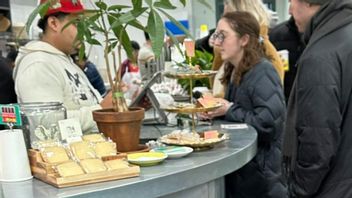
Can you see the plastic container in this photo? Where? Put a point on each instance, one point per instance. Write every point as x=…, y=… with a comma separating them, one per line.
x=14, y=164
x=40, y=121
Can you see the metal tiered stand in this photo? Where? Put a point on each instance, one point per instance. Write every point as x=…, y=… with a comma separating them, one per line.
x=191, y=107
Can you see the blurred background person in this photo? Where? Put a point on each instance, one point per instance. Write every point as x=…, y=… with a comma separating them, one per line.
x=285, y=36
x=131, y=74
x=91, y=72
x=128, y=63
x=145, y=57
x=7, y=89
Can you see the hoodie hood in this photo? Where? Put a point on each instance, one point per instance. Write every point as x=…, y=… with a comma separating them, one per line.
x=38, y=46
x=330, y=17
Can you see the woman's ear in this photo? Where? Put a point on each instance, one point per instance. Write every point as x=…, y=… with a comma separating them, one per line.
x=244, y=40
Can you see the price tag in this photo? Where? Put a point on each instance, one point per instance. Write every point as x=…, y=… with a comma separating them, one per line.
x=70, y=130
x=234, y=126
x=10, y=114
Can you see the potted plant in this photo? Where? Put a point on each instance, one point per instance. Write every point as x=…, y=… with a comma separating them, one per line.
x=120, y=123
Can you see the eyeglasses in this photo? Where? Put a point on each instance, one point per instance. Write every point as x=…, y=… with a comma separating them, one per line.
x=217, y=36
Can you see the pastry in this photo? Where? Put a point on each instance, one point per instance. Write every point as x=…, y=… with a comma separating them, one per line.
x=82, y=150
x=69, y=169
x=93, y=165
x=54, y=154
x=116, y=164
x=103, y=149
x=95, y=137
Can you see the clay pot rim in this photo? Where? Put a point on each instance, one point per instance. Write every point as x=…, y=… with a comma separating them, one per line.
x=107, y=115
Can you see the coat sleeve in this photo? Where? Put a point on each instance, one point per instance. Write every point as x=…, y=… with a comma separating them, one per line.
x=318, y=124
x=268, y=104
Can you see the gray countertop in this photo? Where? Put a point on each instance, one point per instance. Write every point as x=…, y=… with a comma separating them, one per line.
x=171, y=176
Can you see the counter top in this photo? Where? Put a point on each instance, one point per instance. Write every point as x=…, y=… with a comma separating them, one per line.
x=171, y=176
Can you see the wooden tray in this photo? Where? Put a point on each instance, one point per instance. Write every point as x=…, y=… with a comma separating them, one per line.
x=45, y=172
x=200, y=145
x=190, y=108
x=190, y=74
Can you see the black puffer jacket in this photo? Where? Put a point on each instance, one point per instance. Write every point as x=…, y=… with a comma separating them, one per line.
x=318, y=140
x=7, y=90
x=285, y=36
x=259, y=101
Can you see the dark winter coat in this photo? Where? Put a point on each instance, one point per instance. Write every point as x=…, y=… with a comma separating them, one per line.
x=286, y=36
x=259, y=101
x=202, y=44
x=7, y=90
x=318, y=138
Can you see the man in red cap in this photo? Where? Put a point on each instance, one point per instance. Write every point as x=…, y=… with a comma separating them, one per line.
x=45, y=72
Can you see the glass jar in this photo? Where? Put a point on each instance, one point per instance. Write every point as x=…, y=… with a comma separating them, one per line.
x=40, y=121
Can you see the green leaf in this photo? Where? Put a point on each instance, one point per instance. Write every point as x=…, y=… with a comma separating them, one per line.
x=165, y=4
x=126, y=43
x=41, y=10
x=80, y=31
x=93, y=18
x=126, y=17
x=112, y=46
x=93, y=41
x=183, y=2
x=123, y=19
x=81, y=52
x=137, y=4
x=118, y=7
x=156, y=30
x=137, y=12
x=122, y=36
x=177, y=23
x=101, y=5
x=149, y=2
x=137, y=24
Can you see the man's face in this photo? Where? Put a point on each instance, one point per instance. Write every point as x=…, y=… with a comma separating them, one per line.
x=65, y=35
x=302, y=12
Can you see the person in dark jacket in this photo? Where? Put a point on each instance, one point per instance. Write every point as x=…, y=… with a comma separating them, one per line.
x=317, y=146
x=285, y=36
x=92, y=73
x=254, y=96
x=203, y=44
x=7, y=90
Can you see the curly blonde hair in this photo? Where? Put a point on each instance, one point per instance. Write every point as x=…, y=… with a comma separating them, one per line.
x=256, y=7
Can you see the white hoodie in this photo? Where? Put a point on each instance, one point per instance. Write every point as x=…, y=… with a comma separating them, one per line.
x=45, y=74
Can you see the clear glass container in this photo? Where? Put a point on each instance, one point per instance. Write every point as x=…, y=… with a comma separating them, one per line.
x=40, y=121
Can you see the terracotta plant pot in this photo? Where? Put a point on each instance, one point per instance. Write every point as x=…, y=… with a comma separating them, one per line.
x=122, y=127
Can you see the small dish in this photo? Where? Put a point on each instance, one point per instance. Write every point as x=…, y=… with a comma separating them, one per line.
x=174, y=151
x=146, y=158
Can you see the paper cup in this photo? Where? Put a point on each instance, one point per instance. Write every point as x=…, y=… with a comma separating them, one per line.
x=284, y=57
x=14, y=164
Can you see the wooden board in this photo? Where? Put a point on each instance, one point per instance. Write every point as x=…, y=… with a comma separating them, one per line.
x=44, y=172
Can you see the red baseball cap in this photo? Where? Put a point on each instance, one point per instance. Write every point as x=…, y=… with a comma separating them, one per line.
x=65, y=6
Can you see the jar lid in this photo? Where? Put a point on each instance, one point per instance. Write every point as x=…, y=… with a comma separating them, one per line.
x=40, y=104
